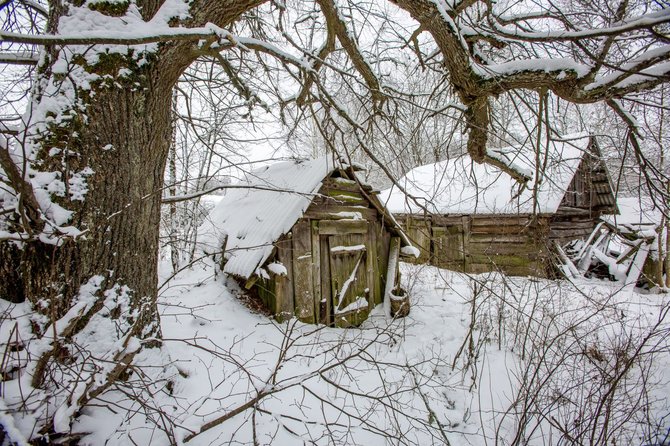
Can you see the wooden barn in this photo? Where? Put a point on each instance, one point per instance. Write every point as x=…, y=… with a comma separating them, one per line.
x=475, y=218
x=311, y=240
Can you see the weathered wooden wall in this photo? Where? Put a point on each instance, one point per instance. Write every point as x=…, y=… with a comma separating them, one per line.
x=418, y=230
x=341, y=215
x=564, y=228
x=590, y=188
x=516, y=245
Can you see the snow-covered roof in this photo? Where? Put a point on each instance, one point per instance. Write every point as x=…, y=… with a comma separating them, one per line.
x=254, y=217
x=462, y=186
x=636, y=215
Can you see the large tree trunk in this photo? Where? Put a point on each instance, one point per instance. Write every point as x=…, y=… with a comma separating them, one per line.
x=125, y=143
x=94, y=292
x=98, y=288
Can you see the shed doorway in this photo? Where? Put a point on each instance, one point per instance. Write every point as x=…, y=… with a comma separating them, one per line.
x=346, y=294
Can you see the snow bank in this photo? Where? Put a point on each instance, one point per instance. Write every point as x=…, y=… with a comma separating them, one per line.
x=446, y=372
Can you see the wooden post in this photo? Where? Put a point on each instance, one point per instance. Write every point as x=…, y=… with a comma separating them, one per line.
x=466, y=243
x=303, y=259
x=324, y=317
x=391, y=273
x=284, y=284
x=316, y=272
x=372, y=267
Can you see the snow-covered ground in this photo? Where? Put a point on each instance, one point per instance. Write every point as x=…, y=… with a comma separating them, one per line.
x=533, y=361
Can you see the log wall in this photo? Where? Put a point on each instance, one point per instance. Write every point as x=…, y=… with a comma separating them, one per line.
x=565, y=228
x=515, y=245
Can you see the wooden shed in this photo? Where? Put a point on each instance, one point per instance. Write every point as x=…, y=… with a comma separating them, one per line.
x=475, y=218
x=310, y=239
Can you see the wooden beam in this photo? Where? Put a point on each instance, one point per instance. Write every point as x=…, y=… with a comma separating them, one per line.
x=285, y=304
x=316, y=272
x=466, y=241
x=391, y=273
x=342, y=227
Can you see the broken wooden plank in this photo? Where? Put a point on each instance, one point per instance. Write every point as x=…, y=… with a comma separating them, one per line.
x=569, y=269
x=637, y=265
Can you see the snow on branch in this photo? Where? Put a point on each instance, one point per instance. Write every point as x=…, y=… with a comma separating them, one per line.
x=646, y=21
x=208, y=32
x=35, y=6
x=18, y=58
x=185, y=197
x=218, y=38
x=117, y=37
x=649, y=66
x=249, y=43
x=28, y=205
x=555, y=66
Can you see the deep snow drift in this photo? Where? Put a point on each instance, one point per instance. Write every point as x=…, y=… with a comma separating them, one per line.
x=480, y=359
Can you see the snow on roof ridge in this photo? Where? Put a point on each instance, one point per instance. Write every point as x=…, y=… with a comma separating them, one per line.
x=461, y=186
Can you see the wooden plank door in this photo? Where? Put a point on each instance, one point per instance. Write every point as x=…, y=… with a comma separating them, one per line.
x=349, y=289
